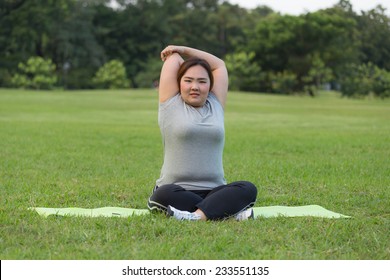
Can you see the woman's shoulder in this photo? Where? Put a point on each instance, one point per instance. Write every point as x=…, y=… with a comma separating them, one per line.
x=172, y=100
x=212, y=98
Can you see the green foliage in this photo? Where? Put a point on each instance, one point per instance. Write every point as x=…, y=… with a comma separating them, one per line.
x=319, y=73
x=84, y=34
x=244, y=73
x=273, y=39
x=61, y=30
x=284, y=82
x=111, y=75
x=304, y=45
x=37, y=73
x=365, y=80
x=374, y=35
x=150, y=75
x=5, y=77
x=79, y=78
x=317, y=76
x=288, y=43
x=381, y=86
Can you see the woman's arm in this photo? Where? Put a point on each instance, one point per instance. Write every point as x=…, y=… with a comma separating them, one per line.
x=168, y=86
x=171, y=56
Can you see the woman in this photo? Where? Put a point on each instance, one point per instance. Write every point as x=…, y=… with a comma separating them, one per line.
x=192, y=95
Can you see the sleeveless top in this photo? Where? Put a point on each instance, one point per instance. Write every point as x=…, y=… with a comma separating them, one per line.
x=193, y=141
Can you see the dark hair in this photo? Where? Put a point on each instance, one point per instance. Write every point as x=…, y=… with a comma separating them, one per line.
x=193, y=61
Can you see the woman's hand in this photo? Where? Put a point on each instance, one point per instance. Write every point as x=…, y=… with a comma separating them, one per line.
x=169, y=50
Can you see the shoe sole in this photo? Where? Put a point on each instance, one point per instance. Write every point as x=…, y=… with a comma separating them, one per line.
x=252, y=216
x=169, y=212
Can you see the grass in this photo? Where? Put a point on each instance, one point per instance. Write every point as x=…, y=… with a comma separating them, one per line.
x=103, y=148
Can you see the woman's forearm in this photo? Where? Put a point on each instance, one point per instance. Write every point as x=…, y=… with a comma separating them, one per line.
x=214, y=61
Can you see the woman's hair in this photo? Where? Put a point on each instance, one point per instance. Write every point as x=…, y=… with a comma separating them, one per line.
x=193, y=61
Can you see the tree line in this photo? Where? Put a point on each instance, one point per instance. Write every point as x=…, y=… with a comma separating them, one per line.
x=79, y=44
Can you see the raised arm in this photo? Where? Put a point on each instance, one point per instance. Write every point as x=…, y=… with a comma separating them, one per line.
x=168, y=86
x=172, y=57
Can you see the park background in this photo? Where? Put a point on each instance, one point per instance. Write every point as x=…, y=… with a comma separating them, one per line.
x=307, y=120
x=94, y=44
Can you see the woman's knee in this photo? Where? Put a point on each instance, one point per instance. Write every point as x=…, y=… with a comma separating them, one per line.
x=163, y=192
x=161, y=196
x=249, y=188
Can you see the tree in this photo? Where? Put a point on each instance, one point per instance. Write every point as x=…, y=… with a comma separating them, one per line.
x=135, y=31
x=244, y=73
x=284, y=82
x=150, y=76
x=273, y=41
x=80, y=36
x=365, y=80
x=317, y=76
x=59, y=29
x=74, y=46
x=290, y=43
x=231, y=21
x=37, y=73
x=112, y=75
x=374, y=35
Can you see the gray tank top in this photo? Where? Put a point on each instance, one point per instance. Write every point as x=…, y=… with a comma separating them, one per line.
x=193, y=140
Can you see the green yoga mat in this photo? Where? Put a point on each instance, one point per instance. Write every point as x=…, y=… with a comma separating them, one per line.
x=266, y=212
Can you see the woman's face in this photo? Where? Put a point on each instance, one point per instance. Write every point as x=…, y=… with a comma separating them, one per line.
x=195, y=86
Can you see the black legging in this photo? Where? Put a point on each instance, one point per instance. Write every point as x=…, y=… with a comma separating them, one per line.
x=217, y=203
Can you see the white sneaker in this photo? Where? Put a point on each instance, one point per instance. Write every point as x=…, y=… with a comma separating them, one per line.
x=182, y=215
x=245, y=215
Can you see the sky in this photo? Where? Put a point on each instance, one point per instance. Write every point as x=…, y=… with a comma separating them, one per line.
x=296, y=7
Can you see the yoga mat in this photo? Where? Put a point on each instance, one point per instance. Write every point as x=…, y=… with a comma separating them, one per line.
x=266, y=212
x=96, y=212
x=296, y=211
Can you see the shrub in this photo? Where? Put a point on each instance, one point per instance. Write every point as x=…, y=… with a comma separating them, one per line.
x=79, y=78
x=244, y=73
x=284, y=82
x=150, y=74
x=364, y=80
x=5, y=77
x=111, y=75
x=317, y=75
x=37, y=73
x=381, y=85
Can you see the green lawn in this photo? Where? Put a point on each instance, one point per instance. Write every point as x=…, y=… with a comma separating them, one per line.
x=103, y=148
